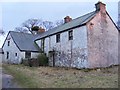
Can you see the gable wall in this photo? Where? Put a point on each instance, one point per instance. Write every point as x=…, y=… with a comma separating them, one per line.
x=102, y=41
x=12, y=49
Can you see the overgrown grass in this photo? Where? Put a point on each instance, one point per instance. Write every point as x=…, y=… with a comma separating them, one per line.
x=26, y=81
x=51, y=77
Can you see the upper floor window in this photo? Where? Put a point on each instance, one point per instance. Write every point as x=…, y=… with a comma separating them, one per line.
x=8, y=43
x=70, y=35
x=15, y=54
x=57, y=38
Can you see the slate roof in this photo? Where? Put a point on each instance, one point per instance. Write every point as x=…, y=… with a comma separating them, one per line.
x=24, y=41
x=66, y=26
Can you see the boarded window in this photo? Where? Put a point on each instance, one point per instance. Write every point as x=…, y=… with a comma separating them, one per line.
x=70, y=35
x=27, y=54
x=7, y=55
x=57, y=38
x=8, y=43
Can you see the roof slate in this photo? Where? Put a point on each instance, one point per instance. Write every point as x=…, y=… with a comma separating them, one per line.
x=66, y=26
x=24, y=41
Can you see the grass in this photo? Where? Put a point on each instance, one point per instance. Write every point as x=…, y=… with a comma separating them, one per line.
x=50, y=77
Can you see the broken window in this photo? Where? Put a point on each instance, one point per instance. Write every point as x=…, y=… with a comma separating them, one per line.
x=57, y=38
x=70, y=35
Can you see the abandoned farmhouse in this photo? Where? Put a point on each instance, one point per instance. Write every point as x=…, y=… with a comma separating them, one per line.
x=88, y=41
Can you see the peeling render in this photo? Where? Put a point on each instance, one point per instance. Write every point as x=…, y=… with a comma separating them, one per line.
x=70, y=53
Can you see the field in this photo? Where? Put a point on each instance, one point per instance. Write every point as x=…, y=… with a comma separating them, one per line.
x=55, y=77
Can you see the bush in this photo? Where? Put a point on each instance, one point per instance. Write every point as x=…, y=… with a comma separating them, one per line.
x=30, y=62
x=25, y=62
x=42, y=59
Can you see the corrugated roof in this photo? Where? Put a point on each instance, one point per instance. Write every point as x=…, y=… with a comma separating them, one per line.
x=74, y=23
x=24, y=41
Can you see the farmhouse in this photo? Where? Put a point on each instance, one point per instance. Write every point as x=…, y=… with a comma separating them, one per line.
x=18, y=46
x=88, y=41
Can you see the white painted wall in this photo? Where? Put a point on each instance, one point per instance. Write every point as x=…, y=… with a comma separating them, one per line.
x=1, y=57
x=38, y=42
x=46, y=45
x=34, y=54
x=69, y=49
x=12, y=49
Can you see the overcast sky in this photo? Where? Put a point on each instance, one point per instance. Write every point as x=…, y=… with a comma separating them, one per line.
x=14, y=12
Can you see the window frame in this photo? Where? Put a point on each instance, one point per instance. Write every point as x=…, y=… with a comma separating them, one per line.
x=8, y=43
x=16, y=54
x=58, y=38
x=70, y=35
x=7, y=57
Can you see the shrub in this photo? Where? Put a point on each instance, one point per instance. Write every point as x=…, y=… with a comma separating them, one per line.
x=42, y=59
x=25, y=62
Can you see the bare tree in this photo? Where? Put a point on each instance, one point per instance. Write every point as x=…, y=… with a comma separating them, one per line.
x=21, y=29
x=48, y=25
x=59, y=22
x=30, y=23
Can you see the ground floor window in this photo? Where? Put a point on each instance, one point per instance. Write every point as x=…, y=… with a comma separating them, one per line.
x=7, y=55
x=27, y=54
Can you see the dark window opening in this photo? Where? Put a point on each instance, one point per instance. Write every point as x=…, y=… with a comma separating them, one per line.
x=58, y=38
x=27, y=54
x=7, y=55
x=8, y=43
x=70, y=35
x=15, y=54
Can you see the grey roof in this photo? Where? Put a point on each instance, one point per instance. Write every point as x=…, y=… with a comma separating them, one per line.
x=24, y=41
x=74, y=23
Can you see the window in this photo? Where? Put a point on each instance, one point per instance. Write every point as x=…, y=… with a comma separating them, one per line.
x=42, y=44
x=70, y=35
x=27, y=54
x=57, y=38
x=7, y=55
x=15, y=54
x=8, y=43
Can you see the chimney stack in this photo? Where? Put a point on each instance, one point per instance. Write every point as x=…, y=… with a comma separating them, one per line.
x=100, y=6
x=37, y=30
x=67, y=19
x=41, y=30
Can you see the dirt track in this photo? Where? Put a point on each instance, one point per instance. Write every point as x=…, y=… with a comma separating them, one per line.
x=7, y=80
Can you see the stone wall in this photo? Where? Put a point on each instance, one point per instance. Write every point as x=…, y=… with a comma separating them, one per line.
x=102, y=41
x=70, y=53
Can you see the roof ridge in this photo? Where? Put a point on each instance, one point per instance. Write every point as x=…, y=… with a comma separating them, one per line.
x=20, y=32
x=71, y=21
x=82, y=15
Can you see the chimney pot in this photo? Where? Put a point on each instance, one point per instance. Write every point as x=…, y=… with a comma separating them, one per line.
x=41, y=30
x=67, y=19
x=100, y=6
